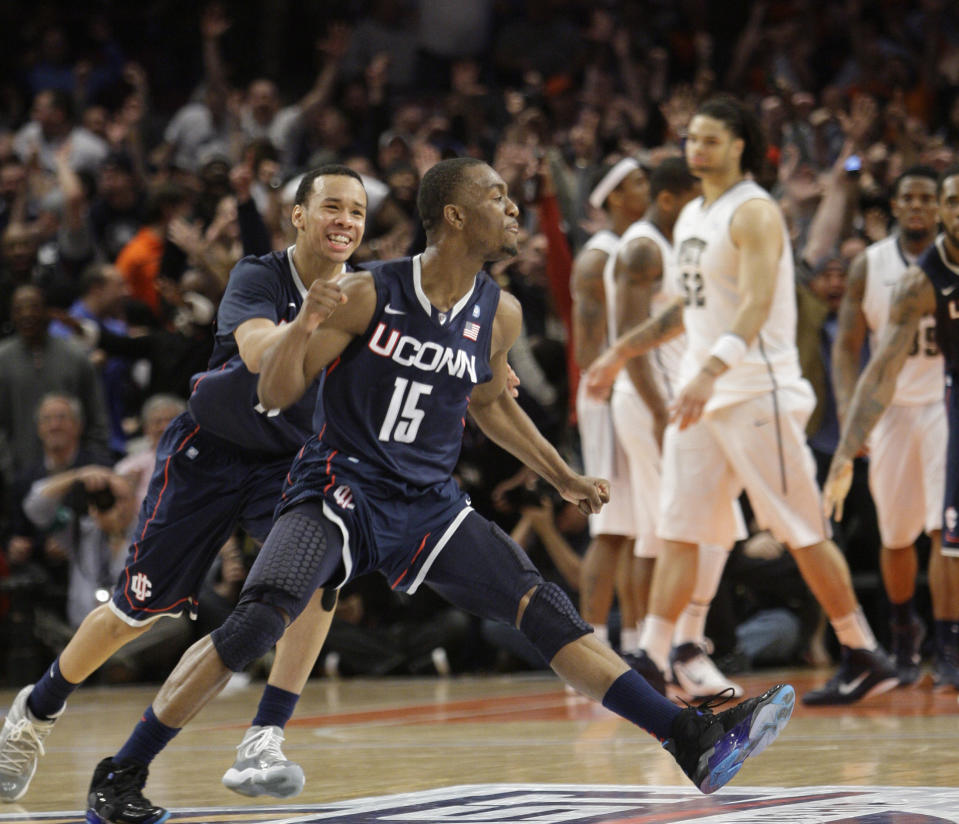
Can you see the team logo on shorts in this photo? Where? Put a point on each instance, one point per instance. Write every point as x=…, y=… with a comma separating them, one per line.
x=141, y=586
x=344, y=497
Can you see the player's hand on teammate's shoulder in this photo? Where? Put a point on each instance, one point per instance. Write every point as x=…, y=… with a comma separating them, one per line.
x=322, y=299
x=836, y=487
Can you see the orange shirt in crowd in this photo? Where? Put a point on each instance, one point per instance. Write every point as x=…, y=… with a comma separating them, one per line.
x=139, y=262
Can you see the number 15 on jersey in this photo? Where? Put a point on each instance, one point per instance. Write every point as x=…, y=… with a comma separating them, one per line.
x=403, y=418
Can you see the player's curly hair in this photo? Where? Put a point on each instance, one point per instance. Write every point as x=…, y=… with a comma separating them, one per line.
x=439, y=188
x=743, y=123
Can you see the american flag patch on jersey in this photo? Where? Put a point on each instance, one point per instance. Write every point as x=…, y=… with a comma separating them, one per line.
x=471, y=330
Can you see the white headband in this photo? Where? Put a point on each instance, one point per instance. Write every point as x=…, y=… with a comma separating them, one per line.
x=611, y=180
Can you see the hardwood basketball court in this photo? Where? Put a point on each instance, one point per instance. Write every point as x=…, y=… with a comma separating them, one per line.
x=515, y=748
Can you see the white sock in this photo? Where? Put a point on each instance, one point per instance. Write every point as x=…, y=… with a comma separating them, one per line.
x=656, y=639
x=691, y=626
x=629, y=640
x=602, y=633
x=853, y=631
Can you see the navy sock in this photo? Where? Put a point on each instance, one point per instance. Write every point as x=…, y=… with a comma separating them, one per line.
x=634, y=699
x=50, y=693
x=149, y=737
x=276, y=707
x=902, y=614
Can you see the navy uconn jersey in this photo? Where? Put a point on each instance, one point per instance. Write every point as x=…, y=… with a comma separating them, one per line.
x=398, y=394
x=223, y=399
x=945, y=279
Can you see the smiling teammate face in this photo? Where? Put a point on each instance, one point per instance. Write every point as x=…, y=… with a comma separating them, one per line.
x=332, y=220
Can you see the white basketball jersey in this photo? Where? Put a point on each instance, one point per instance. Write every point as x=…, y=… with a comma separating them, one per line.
x=665, y=359
x=708, y=279
x=920, y=382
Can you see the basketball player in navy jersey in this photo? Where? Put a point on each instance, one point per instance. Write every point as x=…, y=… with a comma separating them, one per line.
x=220, y=463
x=409, y=348
x=928, y=288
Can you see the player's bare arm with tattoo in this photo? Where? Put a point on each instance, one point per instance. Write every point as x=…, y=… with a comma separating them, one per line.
x=665, y=326
x=589, y=307
x=850, y=337
x=913, y=298
x=639, y=270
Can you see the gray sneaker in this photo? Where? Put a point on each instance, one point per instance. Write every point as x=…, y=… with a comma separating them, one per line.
x=21, y=745
x=261, y=768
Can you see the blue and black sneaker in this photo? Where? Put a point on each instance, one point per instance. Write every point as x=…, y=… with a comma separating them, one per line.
x=116, y=796
x=711, y=748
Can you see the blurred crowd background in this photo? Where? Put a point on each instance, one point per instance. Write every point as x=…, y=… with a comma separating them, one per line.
x=144, y=148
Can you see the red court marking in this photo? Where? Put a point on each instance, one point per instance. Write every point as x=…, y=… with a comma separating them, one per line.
x=546, y=706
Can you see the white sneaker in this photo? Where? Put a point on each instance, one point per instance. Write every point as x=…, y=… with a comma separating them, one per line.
x=261, y=768
x=696, y=675
x=21, y=745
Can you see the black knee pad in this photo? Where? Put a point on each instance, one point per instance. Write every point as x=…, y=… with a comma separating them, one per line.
x=550, y=621
x=297, y=556
x=249, y=631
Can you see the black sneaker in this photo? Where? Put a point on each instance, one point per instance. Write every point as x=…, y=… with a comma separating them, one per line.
x=116, y=796
x=945, y=668
x=861, y=673
x=711, y=748
x=906, y=645
x=646, y=667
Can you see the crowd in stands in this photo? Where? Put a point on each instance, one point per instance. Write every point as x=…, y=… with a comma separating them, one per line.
x=144, y=150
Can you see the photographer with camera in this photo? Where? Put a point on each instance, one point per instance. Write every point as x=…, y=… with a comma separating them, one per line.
x=91, y=510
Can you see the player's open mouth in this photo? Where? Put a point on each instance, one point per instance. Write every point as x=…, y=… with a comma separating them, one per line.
x=339, y=241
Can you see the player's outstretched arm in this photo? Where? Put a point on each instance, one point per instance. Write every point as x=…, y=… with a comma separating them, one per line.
x=913, y=298
x=332, y=314
x=503, y=421
x=631, y=344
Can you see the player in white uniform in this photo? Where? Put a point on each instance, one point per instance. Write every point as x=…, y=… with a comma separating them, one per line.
x=738, y=421
x=641, y=284
x=907, y=462
x=623, y=193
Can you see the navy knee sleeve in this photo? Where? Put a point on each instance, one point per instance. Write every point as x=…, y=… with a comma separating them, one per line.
x=249, y=631
x=550, y=621
x=297, y=557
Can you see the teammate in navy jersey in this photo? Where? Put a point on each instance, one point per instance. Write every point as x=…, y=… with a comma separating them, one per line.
x=928, y=288
x=409, y=347
x=221, y=463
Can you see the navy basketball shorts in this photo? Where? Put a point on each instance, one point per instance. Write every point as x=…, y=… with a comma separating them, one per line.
x=411, y=536
x=202, y=487
x=950, y=511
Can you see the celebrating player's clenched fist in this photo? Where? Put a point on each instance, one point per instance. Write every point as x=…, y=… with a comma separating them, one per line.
x=320, y=302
